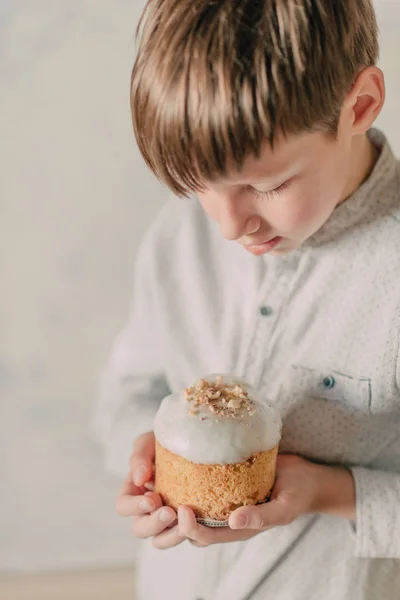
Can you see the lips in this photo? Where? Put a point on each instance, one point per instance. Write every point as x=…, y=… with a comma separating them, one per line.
x=264, y=247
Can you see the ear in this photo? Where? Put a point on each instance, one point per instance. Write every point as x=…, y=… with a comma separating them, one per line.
x=366, y=99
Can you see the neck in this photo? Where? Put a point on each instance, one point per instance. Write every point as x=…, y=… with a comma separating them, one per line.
x=365, y=155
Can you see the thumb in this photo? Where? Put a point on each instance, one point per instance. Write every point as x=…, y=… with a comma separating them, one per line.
x=142, y=459
x=280, y=511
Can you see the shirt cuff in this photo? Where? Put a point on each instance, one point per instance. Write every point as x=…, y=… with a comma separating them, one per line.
x=377, y=513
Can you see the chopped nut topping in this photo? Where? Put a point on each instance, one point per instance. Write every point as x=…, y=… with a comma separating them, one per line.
x=234, y=403
x=213, y=394
x=200, y=385
x=221, y=399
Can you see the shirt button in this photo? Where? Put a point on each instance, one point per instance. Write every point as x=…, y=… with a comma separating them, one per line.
x=266, y=311
x=329, y=382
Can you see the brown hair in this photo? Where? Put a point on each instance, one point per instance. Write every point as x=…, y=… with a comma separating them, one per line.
x=214, y=79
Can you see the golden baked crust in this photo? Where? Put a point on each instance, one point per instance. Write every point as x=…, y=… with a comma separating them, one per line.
x=213, y=491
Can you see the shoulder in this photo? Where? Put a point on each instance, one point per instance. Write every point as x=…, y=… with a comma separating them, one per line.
x=178, y=217
x=180, y=235
x=176, y=226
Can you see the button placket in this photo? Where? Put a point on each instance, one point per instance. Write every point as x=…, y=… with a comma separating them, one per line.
x=279, y=279
x=264, y=325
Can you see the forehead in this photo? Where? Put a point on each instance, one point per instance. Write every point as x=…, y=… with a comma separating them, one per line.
x=288, y=155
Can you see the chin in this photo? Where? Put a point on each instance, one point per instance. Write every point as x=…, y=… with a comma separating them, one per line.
x=282, y=250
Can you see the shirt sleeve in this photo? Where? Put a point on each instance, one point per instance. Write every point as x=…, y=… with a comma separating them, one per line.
x=377, y=513
x=133, y=383
x=378, y=498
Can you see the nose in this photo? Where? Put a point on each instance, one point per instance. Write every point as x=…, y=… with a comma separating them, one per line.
x=235, y=220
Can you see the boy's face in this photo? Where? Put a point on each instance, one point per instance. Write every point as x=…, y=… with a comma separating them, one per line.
x=278, y=201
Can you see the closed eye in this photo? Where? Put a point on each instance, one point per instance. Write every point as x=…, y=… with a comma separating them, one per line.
x=271, y=193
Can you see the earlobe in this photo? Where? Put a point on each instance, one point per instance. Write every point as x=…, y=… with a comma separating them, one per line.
x=367, y=98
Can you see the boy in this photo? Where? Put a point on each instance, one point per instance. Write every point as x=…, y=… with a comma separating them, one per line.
x=263, y=110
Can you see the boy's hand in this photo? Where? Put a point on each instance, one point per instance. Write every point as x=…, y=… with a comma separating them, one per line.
x=150, y=518
x=301, y=487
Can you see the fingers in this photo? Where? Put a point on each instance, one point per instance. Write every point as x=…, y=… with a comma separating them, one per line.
x=154, y=523
x=201, y=536
x=188, y=526
x=168, y=538
x=142, y=459
x=128, y=489
x=131, y=502
x=279, y=511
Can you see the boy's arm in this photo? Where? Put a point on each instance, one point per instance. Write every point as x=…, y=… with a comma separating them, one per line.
x=378, y=500
x=133, y=383
x=377, y=512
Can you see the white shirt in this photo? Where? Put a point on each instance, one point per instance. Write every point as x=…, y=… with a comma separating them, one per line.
x=318, y=332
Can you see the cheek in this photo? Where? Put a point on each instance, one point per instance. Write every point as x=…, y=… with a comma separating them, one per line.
x=307, y=206
x=299, y=213
x=297, y=209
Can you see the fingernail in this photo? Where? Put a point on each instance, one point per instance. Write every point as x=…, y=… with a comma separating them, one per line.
x=139, y=475
x=165, y=516
x=148, y=493
x=241, y=522
x=147, y=505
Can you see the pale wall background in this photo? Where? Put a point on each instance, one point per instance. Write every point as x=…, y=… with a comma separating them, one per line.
x=75, y=199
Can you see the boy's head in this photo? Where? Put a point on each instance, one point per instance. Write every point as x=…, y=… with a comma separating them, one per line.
x=259, y=106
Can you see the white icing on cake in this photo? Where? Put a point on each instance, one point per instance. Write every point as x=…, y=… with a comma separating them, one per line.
x=209, y=438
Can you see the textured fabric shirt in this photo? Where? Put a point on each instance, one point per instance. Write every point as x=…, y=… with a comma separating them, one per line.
x=318, y=332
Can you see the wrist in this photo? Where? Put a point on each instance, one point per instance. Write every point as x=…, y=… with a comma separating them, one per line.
x=335, y=492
